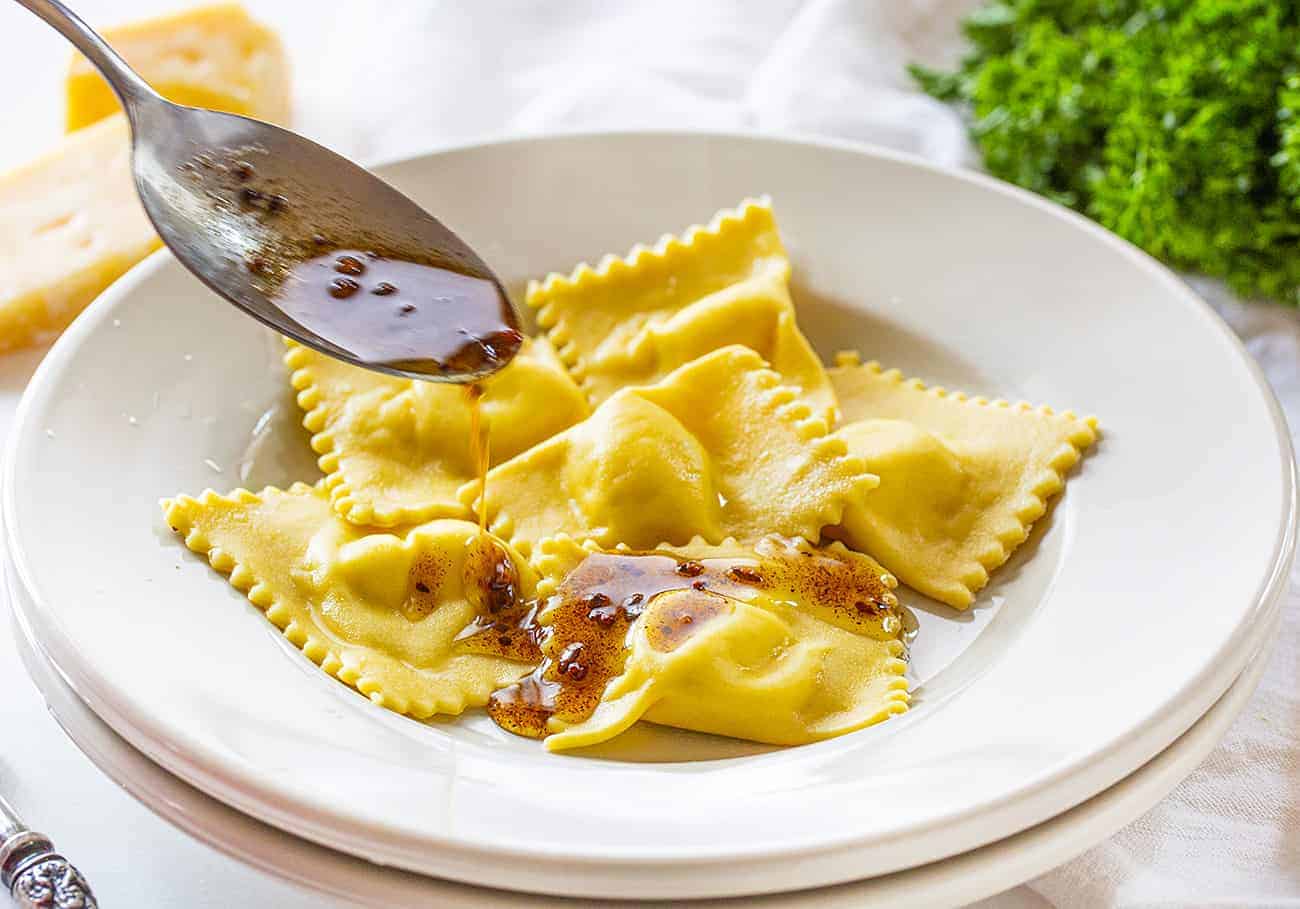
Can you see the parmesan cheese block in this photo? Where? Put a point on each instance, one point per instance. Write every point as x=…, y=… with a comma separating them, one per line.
x=70, y=224
x=214, y=56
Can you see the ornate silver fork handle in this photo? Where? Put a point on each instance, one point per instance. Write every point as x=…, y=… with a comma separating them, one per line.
x=34, y=874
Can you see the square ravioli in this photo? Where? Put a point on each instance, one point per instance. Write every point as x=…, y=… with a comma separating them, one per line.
x=776, y=641
x=683, y=518
x=380, y=611
x=631, y=321
x=962, y=480
x=395, y=451
x=719, y=448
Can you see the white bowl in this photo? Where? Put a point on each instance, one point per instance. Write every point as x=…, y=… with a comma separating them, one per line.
x=953, y=881
x=1120, y=623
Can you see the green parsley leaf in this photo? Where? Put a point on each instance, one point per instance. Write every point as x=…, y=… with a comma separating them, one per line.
x=1174, y=123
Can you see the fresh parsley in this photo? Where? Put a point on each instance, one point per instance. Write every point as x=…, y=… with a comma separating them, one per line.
x=1175, y=124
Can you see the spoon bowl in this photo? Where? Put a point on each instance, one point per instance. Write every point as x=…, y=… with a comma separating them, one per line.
x=303, y=239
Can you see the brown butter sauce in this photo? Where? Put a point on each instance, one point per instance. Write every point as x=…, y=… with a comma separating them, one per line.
x=504, y=625
x=400, y=313
x=480, y=443
x=585, y=642
x=381, y=300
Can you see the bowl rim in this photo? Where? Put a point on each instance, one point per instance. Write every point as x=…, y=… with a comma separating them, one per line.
x=246, y=792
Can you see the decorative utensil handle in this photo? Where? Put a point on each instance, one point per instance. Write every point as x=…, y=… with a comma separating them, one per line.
x=38, y=877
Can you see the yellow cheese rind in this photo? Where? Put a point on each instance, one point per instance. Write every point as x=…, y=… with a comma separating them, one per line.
x=962, y=479
x=70, y=225
x=213, y=56
x=337, y=592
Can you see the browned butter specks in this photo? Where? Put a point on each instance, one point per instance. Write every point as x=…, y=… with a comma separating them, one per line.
x=398, y=313
x=368, y=296
x=583, y=645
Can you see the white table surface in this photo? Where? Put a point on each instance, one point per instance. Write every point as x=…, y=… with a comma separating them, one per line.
x=127, y=848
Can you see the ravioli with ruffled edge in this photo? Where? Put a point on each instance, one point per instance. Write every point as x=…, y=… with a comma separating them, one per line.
x=776, y=641
x=719, y=448
x=380, y=611
x=694, y=437
x=633, y=320
x=962, y=479
x=394, y=451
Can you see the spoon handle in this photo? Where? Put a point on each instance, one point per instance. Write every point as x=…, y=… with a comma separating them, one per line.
x=128, y=85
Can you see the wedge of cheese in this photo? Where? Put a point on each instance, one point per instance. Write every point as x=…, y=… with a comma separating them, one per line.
x=214, y=56
x=70, y=224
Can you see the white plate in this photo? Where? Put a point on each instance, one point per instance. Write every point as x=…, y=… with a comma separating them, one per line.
x=1118, y=626
x=955, y=881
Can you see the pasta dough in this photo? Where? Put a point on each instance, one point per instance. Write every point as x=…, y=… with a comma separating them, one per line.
x=669, y=468
x=394, y=451
x=718, y=448
x=632, y=321
x=766, y=673
x=962, y=480
x=778, y=642
x=380, y=611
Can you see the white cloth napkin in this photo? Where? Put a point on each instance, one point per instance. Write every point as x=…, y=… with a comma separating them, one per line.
x=400, y=77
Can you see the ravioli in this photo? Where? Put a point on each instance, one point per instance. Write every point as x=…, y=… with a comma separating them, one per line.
x=380, y=611
x=962, y=480
x=716, y=523
x=394, y=451
x=777, y=642
x=717, y=449
x=631, y=321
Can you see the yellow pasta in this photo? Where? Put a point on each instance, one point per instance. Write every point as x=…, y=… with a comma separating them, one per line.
x=394, y=451
x=767, y=646
x=962, y=479
x=380, y=611
x=632, y=321
x=719, y=448
x=669, y=456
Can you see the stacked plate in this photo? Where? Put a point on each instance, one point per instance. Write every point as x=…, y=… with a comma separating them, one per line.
x=1095, y=672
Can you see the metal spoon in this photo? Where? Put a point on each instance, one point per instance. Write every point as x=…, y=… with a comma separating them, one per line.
x=265, y=217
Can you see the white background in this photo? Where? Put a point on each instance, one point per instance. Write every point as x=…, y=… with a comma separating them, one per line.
x=376, y=79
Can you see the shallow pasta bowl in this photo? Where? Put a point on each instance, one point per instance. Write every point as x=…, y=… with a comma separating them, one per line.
x=1126, y=615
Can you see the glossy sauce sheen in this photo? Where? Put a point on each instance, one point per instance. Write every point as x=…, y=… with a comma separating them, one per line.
x=381, y=300
x=423, y=581
x=584, y=642
x=504, y=625
x=479, y=441
x=400, y=314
